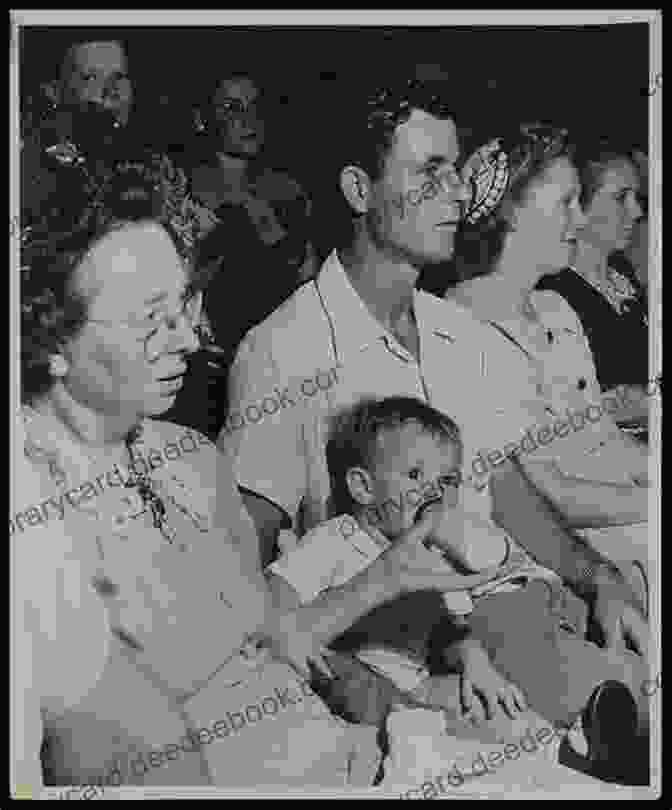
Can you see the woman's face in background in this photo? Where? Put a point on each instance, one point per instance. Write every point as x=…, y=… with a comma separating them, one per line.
x=97, y=73
x=613, y=211
x=237, y=119
x=548, y=220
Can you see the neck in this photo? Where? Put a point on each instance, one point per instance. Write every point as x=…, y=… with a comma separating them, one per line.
x=385, y=284
x=102, y=435
x=235, y=168
x=591, y=262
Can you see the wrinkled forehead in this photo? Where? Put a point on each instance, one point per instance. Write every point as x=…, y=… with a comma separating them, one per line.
x=138, y=257
x=240, y=88
x=101, y=57
x=424, y=137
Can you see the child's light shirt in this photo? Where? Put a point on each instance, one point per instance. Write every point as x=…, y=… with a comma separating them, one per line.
x=335, y=551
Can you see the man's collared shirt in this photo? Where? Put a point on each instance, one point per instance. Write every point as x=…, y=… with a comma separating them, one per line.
x=282, y=401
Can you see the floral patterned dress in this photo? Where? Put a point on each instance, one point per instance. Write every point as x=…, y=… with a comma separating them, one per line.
x=180, y=701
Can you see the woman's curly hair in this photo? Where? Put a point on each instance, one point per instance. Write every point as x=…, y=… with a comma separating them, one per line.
x=52, y=309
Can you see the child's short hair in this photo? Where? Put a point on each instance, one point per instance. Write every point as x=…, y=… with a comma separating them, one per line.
x=354, y=432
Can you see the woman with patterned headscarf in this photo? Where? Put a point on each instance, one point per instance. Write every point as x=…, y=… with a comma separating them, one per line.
x=521, y=224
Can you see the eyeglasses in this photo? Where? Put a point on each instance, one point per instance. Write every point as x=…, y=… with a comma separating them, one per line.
x=454, y=479
x=155, y=329
x=235, y=107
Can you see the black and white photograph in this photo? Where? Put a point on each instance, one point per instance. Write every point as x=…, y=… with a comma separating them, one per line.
x=432, y=242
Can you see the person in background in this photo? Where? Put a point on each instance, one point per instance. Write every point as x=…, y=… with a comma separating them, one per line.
x=261, y=247
x=638, y=250
x=522, y=224
x=600, y=284
x=90, y=132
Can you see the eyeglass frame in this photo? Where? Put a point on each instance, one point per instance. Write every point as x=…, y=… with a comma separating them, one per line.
x=236, y=108
x=195, y=321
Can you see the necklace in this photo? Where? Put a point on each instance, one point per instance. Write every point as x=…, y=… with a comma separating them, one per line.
x=146, y=489
x=616, y=289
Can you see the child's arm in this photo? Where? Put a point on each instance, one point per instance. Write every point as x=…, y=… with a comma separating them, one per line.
x=482, y=689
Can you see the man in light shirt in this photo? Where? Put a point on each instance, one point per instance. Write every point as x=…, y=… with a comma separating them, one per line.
x=362, y=315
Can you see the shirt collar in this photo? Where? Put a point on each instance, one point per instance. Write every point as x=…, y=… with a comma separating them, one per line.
x=356, y=328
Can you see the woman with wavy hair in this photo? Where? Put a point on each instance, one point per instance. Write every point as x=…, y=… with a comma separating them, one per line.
x=522, y=224
x=185, y=674
x=599, y=283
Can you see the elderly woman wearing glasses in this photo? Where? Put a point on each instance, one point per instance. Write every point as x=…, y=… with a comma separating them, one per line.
x=195, y=680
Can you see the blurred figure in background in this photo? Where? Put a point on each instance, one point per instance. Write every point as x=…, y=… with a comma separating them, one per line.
x=88, y=129
x=91, y=131
x=601, y=285
x=638, y=249
x=262, y=238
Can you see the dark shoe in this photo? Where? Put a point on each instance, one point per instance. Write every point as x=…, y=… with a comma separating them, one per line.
x=610, y=727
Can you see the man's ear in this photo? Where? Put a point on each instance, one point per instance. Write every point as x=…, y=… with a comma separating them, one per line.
x=360, y=485
x=356, y=187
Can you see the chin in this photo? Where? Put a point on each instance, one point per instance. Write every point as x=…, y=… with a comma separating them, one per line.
x=157, y=406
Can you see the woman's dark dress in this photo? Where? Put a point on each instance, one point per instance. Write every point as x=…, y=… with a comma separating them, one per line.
x=619, y=343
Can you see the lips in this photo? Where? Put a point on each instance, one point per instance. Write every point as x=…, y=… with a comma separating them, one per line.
x=174, y=376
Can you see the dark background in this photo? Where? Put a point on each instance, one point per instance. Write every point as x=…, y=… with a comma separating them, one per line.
x=574, y=76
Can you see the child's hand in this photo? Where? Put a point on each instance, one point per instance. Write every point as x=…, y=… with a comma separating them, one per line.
x=481, y=680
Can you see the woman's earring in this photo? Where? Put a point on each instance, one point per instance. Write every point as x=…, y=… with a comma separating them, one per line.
x=58, y=366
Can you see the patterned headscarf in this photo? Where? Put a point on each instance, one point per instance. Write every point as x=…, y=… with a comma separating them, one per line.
x=493, y=168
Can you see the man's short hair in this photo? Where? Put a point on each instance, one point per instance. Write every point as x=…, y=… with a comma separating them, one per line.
x=370, y=123
x=354, y=431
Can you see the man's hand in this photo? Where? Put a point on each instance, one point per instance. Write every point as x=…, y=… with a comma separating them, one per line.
x=618, y=615
x=412, y=567
x=481, y=680
x=280, y=640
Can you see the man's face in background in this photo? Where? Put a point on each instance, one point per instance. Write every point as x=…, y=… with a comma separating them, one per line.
x=96, y=73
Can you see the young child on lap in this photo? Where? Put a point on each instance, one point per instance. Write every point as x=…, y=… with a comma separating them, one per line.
x=512, y=631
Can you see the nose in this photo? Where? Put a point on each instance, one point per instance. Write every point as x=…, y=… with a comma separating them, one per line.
x=183, y=335
x=635, y=209
x=579, y=218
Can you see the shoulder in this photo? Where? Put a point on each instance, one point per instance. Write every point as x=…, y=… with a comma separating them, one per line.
x=336, y=530
x=450, y=316
x=278, y=186
x=555, y=312
x=566, y=283
x=174, y=442
x=282, y=337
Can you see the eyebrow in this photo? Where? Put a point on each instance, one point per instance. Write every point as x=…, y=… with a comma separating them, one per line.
x=155, y=299
x=434, y=161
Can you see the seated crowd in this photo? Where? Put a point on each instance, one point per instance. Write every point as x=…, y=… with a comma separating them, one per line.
x=500, y=599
